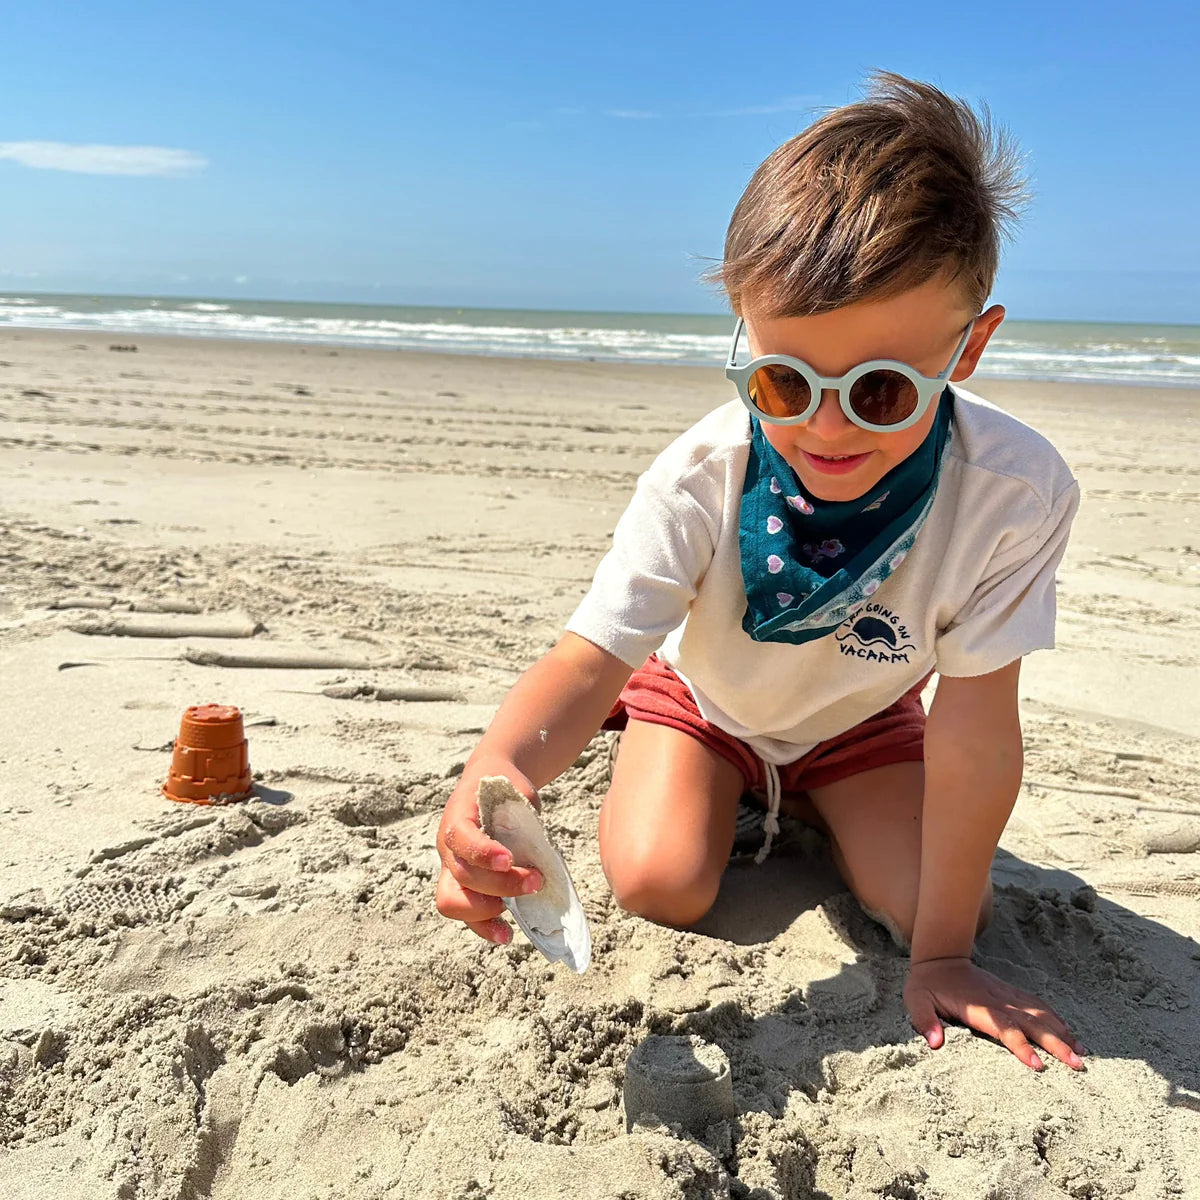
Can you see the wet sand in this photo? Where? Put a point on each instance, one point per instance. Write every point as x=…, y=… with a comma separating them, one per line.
x=262, y=1000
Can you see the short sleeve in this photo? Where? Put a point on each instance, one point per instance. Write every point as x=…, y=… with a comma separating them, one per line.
x=1012, y=610
x=662, y=547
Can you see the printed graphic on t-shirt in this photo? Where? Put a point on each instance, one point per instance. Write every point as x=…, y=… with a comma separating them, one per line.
x=875, y=634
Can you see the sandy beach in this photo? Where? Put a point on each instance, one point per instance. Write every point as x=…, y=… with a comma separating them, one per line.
x=261, y=1000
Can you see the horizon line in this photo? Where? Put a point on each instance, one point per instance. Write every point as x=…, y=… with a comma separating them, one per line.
x=632, y=312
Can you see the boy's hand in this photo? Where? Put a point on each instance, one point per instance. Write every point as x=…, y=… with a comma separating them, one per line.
x=957, y=989
x=475, y=869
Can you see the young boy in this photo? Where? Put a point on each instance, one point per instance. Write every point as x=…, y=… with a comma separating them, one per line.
x=793, y=568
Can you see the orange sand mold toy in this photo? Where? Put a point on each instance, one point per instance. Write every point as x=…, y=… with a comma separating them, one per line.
x=211, y=762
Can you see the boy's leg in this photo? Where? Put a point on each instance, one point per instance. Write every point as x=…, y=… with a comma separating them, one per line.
x=667, y=823
x=874, y=824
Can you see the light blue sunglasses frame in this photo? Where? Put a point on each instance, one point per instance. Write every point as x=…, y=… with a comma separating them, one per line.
x=927, y=388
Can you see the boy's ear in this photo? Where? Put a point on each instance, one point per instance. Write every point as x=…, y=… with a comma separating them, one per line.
x=985, y=325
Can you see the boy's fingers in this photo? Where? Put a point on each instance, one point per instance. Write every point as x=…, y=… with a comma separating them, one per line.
x=462, y=834
x=1060, y=1048
x=517, y=882
x=1049, y=1030
x=1058, y=1029
x=995, y=1024
x=467, y=841
x=497, y=931
x=1019, y=1044
x=463, y=904
x=924, y=1019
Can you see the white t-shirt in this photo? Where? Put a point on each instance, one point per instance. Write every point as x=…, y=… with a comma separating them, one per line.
x=975, y=593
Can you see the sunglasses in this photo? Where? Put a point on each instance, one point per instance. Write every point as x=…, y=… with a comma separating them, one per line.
x=882, y=395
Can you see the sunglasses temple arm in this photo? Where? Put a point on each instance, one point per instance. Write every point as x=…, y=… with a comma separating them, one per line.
x=962, y=345
x=737, y=333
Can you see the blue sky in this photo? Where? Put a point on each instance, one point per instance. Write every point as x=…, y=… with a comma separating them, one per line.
x=557, y=156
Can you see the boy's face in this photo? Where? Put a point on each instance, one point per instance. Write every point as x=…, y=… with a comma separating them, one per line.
x=920, y=327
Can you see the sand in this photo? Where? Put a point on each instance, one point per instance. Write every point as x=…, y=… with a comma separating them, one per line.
x=262, y=1001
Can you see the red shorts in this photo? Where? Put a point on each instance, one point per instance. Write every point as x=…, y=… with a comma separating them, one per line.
x=656, y=694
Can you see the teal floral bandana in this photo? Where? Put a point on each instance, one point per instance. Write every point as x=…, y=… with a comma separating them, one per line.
x=808, y=564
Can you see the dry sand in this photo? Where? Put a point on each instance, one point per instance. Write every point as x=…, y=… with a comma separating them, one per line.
x=261, y=1000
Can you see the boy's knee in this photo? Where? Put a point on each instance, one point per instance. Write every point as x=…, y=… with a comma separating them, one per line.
x=660, y=893
x=678, y=909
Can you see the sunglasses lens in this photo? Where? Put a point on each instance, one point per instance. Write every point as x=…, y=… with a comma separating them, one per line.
x=884, y=397
x=779, y=391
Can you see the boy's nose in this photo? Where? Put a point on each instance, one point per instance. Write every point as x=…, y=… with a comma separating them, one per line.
x=829, y=422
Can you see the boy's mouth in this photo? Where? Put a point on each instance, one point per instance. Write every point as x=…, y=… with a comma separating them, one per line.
x=837, y=464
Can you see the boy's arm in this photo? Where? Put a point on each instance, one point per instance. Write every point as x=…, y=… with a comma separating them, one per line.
x=973, y=764
x=552, y=711
x=547, y=718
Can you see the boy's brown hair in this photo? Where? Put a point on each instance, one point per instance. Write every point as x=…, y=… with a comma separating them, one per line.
x=873, y=199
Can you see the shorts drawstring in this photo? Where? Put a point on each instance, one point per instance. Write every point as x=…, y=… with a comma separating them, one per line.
x=771, y=824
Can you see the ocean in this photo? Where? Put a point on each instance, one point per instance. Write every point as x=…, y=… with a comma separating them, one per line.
x=1160, y=355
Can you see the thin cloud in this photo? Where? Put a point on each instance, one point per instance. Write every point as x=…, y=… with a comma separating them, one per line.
x=104, y=160
x=786, y=104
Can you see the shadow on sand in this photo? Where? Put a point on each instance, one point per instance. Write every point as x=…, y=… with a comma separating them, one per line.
x=1125, y=984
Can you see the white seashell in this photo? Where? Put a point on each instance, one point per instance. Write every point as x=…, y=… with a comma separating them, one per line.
x=552, y=918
